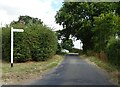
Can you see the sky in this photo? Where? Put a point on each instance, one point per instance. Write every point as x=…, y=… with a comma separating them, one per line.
x=43, y=9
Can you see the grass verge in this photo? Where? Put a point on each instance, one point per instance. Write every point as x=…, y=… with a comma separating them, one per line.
x=112, y=70
x=22, y=72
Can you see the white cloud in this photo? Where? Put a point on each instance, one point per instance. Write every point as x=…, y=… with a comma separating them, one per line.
x=11, y=9
x=43, y=9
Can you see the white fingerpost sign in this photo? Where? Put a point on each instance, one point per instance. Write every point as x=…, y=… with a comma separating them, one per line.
x=12, y=31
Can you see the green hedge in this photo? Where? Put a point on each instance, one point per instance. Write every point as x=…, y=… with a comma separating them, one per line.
x=6, y=43
x=113, y=52
x=37, y=43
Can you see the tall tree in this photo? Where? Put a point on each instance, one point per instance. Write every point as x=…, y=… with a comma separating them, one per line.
x=106, y=26
x=77, y=19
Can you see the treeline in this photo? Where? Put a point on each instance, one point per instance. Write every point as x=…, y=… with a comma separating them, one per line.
x=96, y=24
x=37, y=43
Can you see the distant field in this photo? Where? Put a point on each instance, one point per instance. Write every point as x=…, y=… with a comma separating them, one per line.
x=22, y=72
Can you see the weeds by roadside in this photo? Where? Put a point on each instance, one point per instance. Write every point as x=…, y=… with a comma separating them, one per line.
x=22, y=72
x=112, y=70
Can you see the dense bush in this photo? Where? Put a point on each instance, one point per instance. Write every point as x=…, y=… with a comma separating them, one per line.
x=59, y=48
x=6, y=43
x=37, y=43
x=113, y=52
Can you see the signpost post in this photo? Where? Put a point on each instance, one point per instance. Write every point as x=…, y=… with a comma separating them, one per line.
x=12, y=32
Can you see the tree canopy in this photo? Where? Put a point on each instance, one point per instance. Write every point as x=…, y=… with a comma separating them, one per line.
x=26, y=20
x=77, y=19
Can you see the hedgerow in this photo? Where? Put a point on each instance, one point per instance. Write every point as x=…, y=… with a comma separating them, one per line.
x=37, y=43
x=113, y=52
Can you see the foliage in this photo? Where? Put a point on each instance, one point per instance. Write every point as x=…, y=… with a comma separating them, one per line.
x=6, y=43
x=118, y=8
x=67, y=44
x=113, y=52
x=59, y=49
x=27, y=20
x=94, y=23
x=78, y=19
x=37, y=43
x=105, y=27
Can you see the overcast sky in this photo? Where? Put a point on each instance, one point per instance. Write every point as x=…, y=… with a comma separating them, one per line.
x=43, y=9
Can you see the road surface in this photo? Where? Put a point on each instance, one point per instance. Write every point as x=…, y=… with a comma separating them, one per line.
x=74, y=71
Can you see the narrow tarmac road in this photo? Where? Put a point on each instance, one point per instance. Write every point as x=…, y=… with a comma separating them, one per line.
x=74, y=71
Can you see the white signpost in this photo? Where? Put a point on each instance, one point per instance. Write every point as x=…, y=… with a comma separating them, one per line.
x=12, y=31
